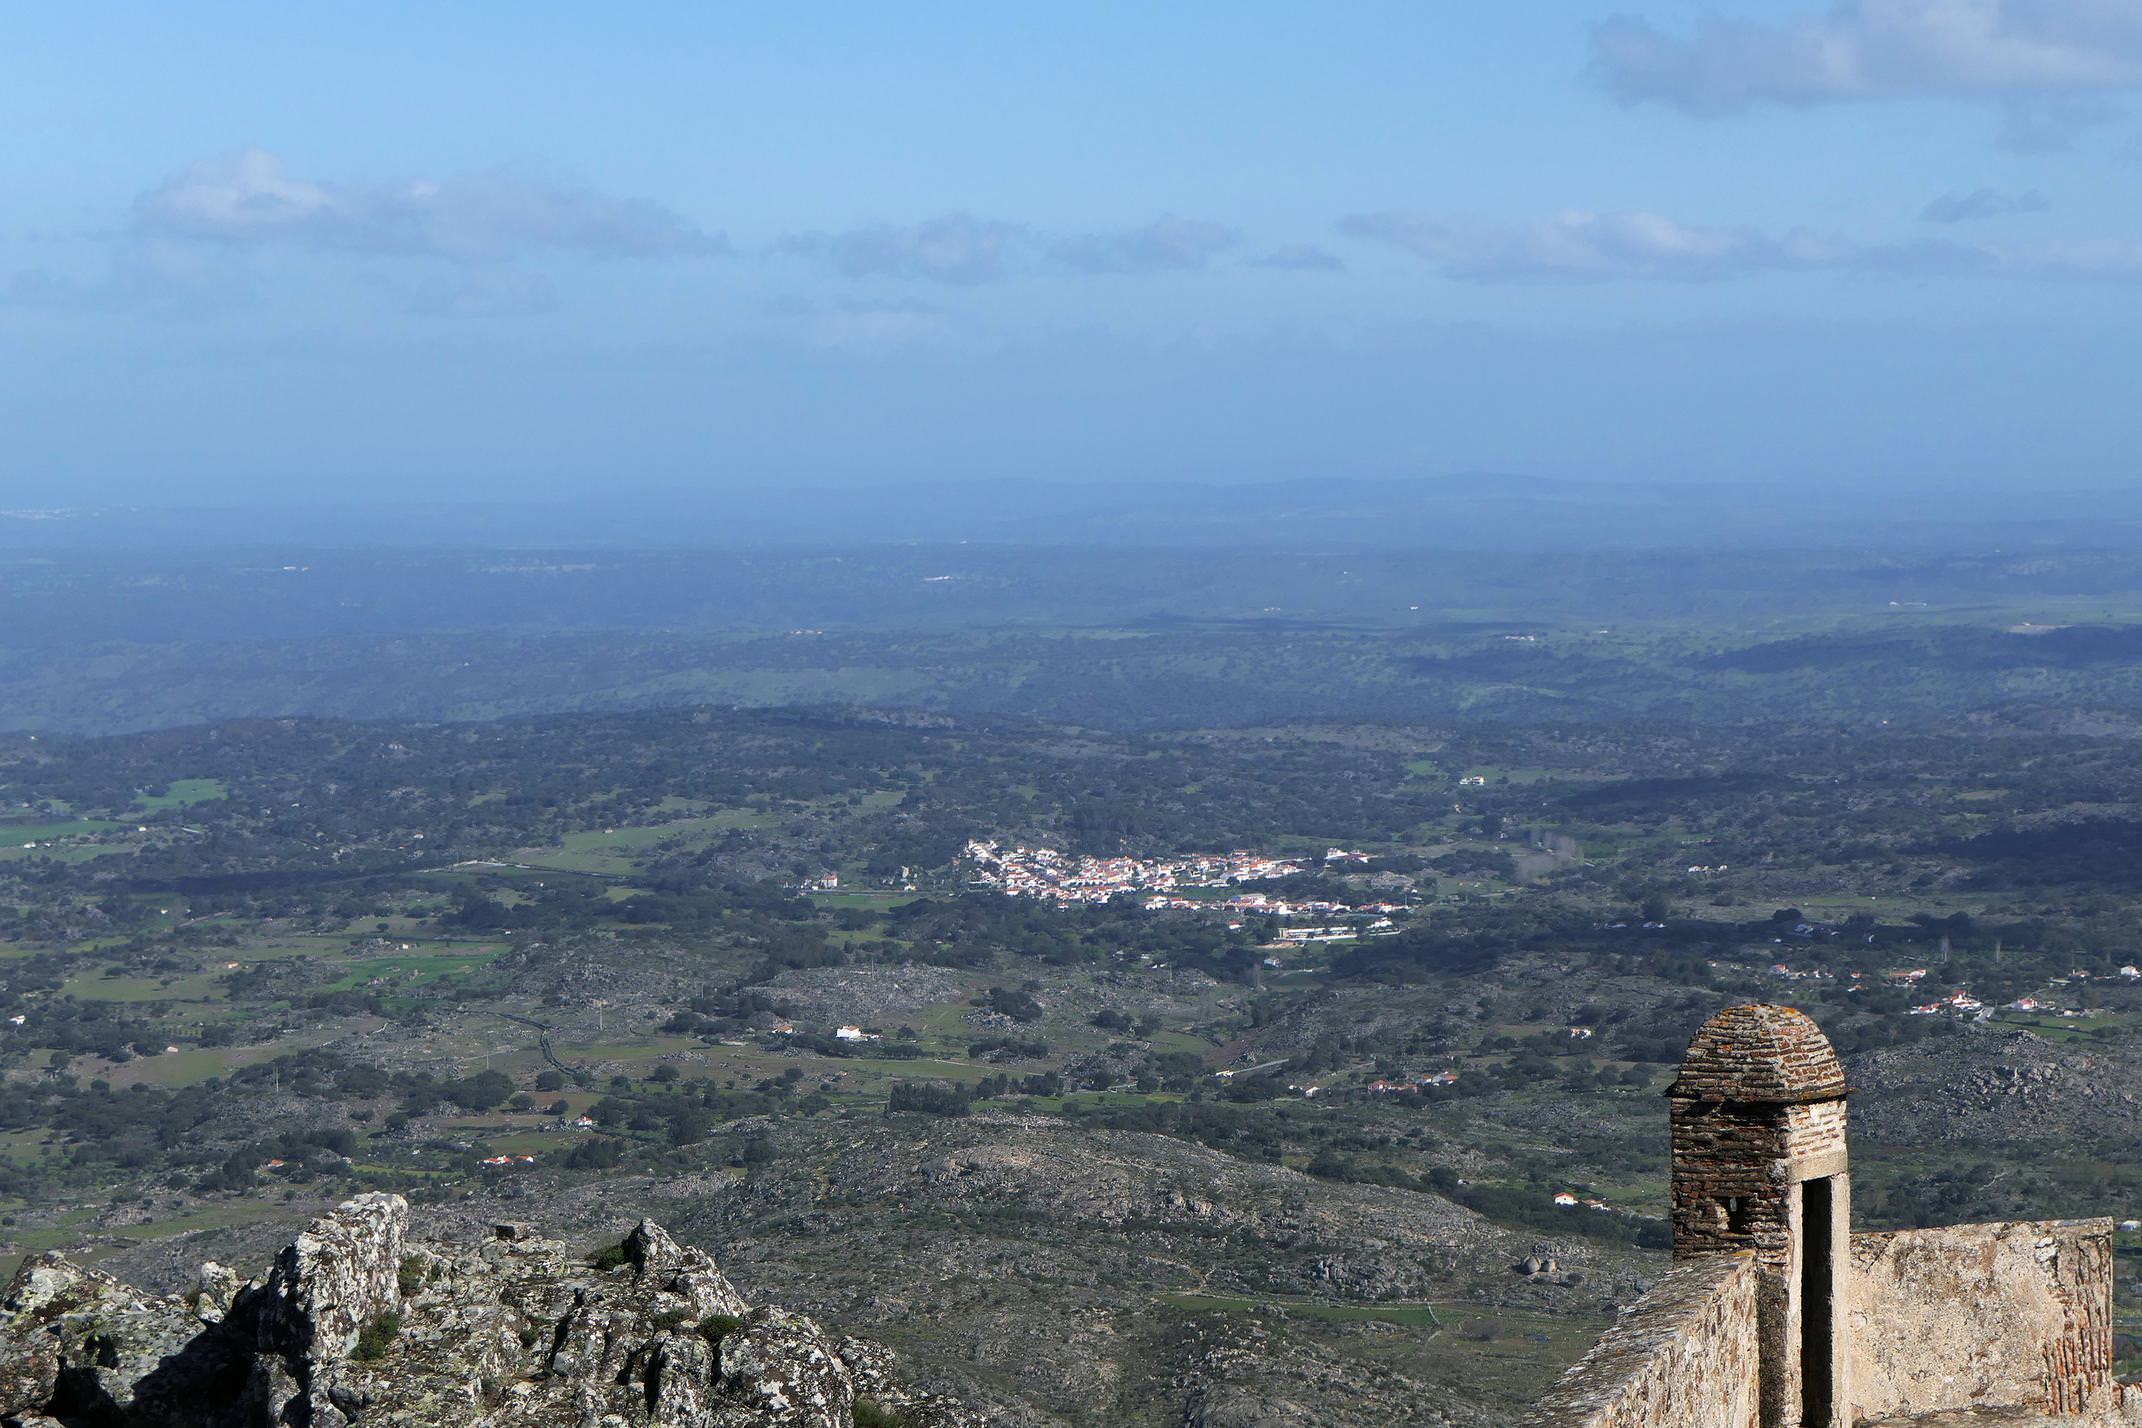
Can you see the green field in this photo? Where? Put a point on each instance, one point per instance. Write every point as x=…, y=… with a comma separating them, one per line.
x=1497, y=774
x=405, y=970
x=617, y=851
x=68, y=1233
x=183, y=793
x=90, y=987
x=194, y=1064
x=875, y=900
x=16, y=834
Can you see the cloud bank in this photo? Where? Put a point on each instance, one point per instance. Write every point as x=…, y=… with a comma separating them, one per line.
x=1877, y=49
x=1580, y=246
x=958, y=248
x=1166, y=244
x=1301, y=258
x=1587, y=247
x=185, y=252
x=961, y=249
x=1981, y=203
x=251, y=198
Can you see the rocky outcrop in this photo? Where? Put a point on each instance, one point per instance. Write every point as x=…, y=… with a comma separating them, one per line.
x=1995, y=1084
x=80, y=1347
x=357, y=1325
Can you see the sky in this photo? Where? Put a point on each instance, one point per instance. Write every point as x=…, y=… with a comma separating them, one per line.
x=297, y=254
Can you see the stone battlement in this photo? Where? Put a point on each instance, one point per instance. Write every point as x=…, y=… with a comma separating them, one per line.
x=1683, y=1353
x=2011, y=1315
x=1777, y=1316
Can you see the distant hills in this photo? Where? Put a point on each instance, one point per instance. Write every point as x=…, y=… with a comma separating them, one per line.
x=1472, y=511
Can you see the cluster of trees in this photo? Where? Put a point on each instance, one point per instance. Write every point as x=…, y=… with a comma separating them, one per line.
x=976, y=929
x=948, y=1098
x=70, y=1027
x=1018, y=1004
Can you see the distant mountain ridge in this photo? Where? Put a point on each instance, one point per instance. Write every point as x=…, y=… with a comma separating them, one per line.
x=1458, y=511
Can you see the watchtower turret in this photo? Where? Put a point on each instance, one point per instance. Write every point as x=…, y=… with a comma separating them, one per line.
x=1758, y=1117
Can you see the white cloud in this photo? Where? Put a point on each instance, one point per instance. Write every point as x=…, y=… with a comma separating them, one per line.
x=2050, y=123
x=1580, y=246
x=1168, y=243
x=1584, y=247
x=250, y=198
x=1874, y=49
x=1981, y=203
x=1301, y=258
x=958, y=248
x=962, y=250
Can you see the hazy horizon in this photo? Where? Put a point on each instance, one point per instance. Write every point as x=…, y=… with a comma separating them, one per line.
x=1473, y=511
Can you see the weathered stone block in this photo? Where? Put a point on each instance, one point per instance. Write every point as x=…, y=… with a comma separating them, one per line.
x=1683, y=1356
x=2013, y=1316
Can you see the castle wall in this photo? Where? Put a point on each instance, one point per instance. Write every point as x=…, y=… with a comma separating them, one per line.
x=1682, y=1356
x=2012, y=1315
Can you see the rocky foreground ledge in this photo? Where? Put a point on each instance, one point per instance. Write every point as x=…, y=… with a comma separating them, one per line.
x=357, y=1324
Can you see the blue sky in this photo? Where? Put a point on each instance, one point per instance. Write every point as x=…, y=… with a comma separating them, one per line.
x=279, y=253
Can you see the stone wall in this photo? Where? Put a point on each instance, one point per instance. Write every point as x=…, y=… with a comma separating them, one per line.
x=2014, y=1315
x=1683, y=1356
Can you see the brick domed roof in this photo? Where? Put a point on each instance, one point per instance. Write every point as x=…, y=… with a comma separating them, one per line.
x=1760, y=1053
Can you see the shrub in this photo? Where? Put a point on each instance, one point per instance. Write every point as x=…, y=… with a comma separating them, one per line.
x=931, y=1098
x=869, y=1413
x=1017, y=1005
x=594, y=1155
x=480, y=1092
x=374, y=1339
